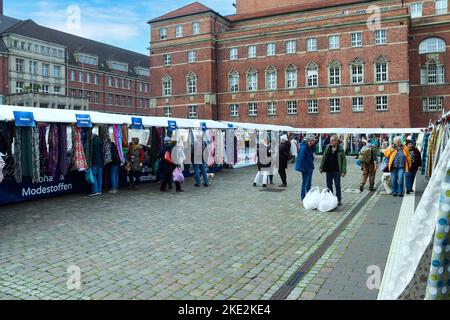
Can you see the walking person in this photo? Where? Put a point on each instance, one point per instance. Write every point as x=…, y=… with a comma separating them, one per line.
x=135, y=157
x=416, y=162
x=97, y=165
x=167, y=166
x=114, y=166
x=369, y=165
x=294, y=148
x=264, y=154
x=284, y=155
x=198, y=157
x=305, y=164
x=399, y=164
x=334, y=164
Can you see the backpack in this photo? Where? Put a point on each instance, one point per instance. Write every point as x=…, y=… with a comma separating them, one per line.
x=365, y=155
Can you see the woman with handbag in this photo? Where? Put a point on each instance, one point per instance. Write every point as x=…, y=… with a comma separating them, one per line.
x=166, y=165
x=135, y=159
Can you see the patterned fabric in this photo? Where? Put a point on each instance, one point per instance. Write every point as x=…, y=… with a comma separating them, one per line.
x=63, y=163
x=53, y=145
x=399, y=160
x=107, y=155
x=35, y=155
x=78, y=158
x=86, y=138
x=117, y=131
x=43, y=152
x=424, y=154
x=2, y=165
x=439, y=279
x=18, y=154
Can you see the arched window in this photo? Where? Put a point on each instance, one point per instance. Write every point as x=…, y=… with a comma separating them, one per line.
x=432, y=73
x=252, y=80
x=233, y=81
x=167, y=85
x=432, y=45
x=312, y=74
x=271, y=78
x=381, y=69
x=334, y=73
x=191, y=83
x=357, y=71
x=291, y=77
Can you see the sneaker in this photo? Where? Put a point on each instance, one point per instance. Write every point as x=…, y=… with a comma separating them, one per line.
x=407, y=192
x=283, y=186
x=196, y=185
x=254, y=184
x=206, y=185
x=395, y=195
x=113, y=191
x=95, y=194
x=373, y=190
x=400, y=195
x=339, y=204
x=264, y=185
x=361, y=189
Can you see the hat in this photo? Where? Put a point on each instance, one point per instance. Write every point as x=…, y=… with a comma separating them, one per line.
x=284, y=138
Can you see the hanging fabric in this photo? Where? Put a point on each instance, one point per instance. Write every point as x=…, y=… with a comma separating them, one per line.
x=117, y=132
x=35, y=155
x=125, y=136
x=43, y=152
x=78, y=157
x=63, y=164
x=53, y=150
x=18, y=154
x=86, y=138
x=2, y=165
x=27, y=156
x=104, y=135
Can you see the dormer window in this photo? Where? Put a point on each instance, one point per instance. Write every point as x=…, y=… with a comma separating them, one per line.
x=85, y=58
x=119, y=66
x=145, y=72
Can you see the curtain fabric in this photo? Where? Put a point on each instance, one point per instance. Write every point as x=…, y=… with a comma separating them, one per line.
x=2, y=165
x=117, y=131
x=78, y=157
x=18, y=155
x=35, y=155
x=43, y=152
x=104, y=135
x=53, y=150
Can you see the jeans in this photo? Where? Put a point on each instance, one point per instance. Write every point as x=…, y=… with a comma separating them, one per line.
x=397, y=180
x=410, y=177
x=115, y=177
x=97, y=172
x=336, y=176
x=201, y=168
x=306, y=183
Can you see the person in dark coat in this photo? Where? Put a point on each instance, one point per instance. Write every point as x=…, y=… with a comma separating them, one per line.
x=264, y=163
x=97, y=165
x=305, y=164
x=135, y=157
x=166, y=165
x=114, y=167
x=416, y=162
x=284, y=155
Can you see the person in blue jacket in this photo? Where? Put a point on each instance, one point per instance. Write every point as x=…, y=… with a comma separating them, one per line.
x=305, y=163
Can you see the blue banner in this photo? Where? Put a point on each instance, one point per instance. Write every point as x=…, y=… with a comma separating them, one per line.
x=83, y=121
x=24, y=119
x=172, y=125
x=203, y=126
x=230, y=125
x=136, y=123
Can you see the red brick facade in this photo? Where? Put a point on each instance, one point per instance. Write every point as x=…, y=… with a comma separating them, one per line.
x=388, y=60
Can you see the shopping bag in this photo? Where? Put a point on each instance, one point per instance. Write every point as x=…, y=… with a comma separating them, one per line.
x=327, y=201
x=178, y=175
x=89, y=176
x=312, y=199
x=385, y=165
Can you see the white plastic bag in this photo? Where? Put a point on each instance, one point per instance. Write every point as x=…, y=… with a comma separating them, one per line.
x=312, y=199
x=327, y=201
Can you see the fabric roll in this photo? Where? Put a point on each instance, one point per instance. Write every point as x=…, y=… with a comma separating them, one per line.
x=53, y=150
x=18, y=154
x=125, y=135
x=35, y=155
x=107, y=155
x=78, y=157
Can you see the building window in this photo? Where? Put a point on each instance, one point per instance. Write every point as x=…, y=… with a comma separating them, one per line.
x=441, y=6
x=192, y=112
x=88, y=77
x=271, y=108
x=57, y=71
x=20, y=65
x=191, y=83
x=356, y=39
x=73, y=93
x=312, y=106
x=271, y=78
x=32, y=67
x=130, y=101
x=116, y=82
x=291, y=46
x=234, y=110
x=432, y=45
x=271, y=49
x=117, y=100
x=358, y=104
x=233, y=53
x=333, y=42
x=291, y=77
x=357, y=70
x=380, y=36
x=291, y=107
x=19, y=87
x=72, y=75
x=45, y=70
x=130, y=84
x=178, y=31
x=167, y=112
x=432, y=73
x=252, y=80
x=334, y=73
x=167, y=86
x=312, y=75
x=233, y=81
x=252, y=109
x=56, y=90
x=381, y=70
x=96, y=95
x=251, y=51
x=162, y=33
x=192, y=56
x=432, y=104
x=141, y=87
x=80, y=76
x=416, y=9
x=146, y=87
x=110, y=99
x=335, y=105
x=167, y=58
x=196, y=27
x=110, y=81
x=311, y=44
x=382, y=103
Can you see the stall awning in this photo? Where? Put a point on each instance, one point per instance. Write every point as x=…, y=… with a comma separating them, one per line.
x=361, y=130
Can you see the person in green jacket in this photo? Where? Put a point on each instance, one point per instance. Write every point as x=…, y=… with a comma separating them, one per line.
x=334, y=164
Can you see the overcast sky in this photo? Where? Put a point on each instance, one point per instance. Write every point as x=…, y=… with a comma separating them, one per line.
x=120, y=23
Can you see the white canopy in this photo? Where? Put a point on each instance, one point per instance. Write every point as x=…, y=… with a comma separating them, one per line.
x=362, y=130
x=260, y=126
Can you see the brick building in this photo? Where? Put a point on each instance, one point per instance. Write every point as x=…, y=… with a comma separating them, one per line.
x=325, y=63
x=47, y=68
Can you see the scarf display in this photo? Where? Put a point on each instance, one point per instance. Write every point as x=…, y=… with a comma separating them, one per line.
x=125, y=135
x=104, y=135
x=78, y=157
x=117, y=132
x=18, y=154
x=43, y=152
x=86, y=138
x=62, y=164
x=53, y=150
x=434, y=143
x=27, y=155
x=35, y=155
x=2, y=165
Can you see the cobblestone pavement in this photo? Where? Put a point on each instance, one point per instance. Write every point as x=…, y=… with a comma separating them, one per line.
x=227, y=241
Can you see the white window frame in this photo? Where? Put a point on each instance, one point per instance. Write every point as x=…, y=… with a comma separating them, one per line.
x=167, y=59
x=166, y=86
x=191, y=83
x=271, y=49
x=312, y=106
x=416, y=9
x=20, y=65
x=311, y=44
x=357, y=77
x=234, y=54
x=437, y=103
x=334, y=105
x=233, y=81
x=357, y=104
x=192, y=56
x=291, y=76
x=167, y=111
x=381, y=72
x=382, y=103
x=432, y=45
x=57, y=71
x=334, y=44
x=334, y=74
x=178, y=31
x=356, y=39
x=271, y=108
x=162, y=33
x=252, y=80
x=192, y=112
x=195, y=27
x=291, y=107
x=45, y=70
x=312, y=75
x=291, y=47
x=380, y=36
x=234, y=110
x=441, y=7
x=19, y=86
x=251, y=51
x=252, y=109
x=271, y=78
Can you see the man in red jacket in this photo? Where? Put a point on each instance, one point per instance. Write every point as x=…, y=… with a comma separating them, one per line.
x=416, y=161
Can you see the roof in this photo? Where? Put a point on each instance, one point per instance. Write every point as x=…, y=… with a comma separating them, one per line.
x=5, y=23
x=313, y=5
x=190, y=9
x=75, y=44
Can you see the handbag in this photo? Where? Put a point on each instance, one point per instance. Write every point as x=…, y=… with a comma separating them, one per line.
x=178, y=175
x=89, y=176
x=385, y=165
